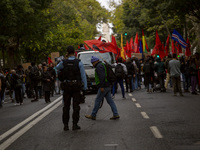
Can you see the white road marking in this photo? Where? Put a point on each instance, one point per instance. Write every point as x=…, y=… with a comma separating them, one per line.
x=28, y=119
x=9, y=141
x=130, y=94
x=144, y=114
x=138, y=105
x=156, y=132
x=133, y=99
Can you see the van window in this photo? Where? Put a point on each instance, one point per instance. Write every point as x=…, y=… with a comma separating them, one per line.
x=86, y=57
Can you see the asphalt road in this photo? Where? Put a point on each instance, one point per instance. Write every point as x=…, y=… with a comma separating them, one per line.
x=157, y=121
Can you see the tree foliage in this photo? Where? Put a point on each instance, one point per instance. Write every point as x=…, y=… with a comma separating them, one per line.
x=31, y=29
x=150, y=15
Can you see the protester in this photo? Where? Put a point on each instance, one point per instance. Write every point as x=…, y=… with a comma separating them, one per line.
x=104, y=90
x=193, y=75
x=16, y=85
x=130, y=75
x=53, y=77
x=21, y=73
x=46, y=80
x=175, y=72
x=169, y=57
x=73, y=76
x=120, y=72
x=2, y=86
x=160, y=70
x=39, y=85
x=148, y=72
x=34, y=73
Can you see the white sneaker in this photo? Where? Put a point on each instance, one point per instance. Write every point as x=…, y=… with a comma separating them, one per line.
x=17, y=104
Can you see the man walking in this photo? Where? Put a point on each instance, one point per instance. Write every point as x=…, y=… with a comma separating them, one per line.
x=104, y=90
x=175, y=72
x=73, y=78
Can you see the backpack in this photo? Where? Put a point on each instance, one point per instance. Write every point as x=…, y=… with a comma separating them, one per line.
x=111, y=77
x=34, y=73
x=119, y=71
x=70, y=71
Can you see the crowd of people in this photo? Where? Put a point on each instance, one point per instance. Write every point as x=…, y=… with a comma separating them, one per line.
x=158, y=75
x=35, y=83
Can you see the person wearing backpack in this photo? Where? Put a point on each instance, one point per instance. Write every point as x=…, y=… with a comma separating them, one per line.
x=74, y=79
x=120, y=72
x=104, y=90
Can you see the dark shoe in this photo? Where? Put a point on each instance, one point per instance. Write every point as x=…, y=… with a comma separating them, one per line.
x=90, y=117
x=174, y=95
x=123, y=98
x=76, y=127
x=66, y=127
x=114, y=117
x=131, y=90
x=35, y=100
x=181, y=94
x=194, y=93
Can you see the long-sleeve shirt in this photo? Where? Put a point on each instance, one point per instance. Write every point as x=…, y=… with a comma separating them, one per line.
x=82, y=71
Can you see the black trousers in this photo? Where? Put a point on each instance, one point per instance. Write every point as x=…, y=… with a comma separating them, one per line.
x=34, y=90
x=18, y=95
x=47, y=96
x=68, y=95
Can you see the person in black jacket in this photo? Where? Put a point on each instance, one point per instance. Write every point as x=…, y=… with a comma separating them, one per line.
x=53, y=76
x=148, y=71
x=46, y=80
x=104, y=90
x=130, y=75
x=16, y=85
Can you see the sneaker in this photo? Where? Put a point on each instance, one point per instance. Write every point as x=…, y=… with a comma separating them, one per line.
x=17, y=104
x=114, y=117
x=90, y=117
x=181, y=95
x=35, y=100
x=76, y=127
x=66, y=127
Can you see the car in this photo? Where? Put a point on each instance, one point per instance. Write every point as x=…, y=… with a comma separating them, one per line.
x=85, y=58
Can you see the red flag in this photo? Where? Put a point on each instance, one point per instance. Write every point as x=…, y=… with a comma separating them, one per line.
x=131, y=45
x=136, y=44
x=187, y=50
x=102, y=47
x=173, y=48
x=127, y=49
x=167, y=46
x=49, y=60
x=115, y=43
x=178, y=48
x=158, y=45
x=99, y=38
x=147, y=46
x=86, y=47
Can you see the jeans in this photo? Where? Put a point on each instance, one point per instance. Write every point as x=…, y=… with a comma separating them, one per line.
x=186, y=81
x=120, y=81
x=193, y=82
x=176, y=84
x=99, y=99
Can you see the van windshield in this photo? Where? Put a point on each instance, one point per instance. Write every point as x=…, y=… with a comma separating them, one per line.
x=86, y=57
